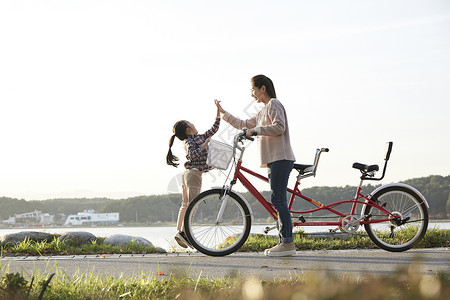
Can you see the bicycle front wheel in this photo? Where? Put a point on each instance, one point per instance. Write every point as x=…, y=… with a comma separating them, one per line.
x=217, y=225
x=406, y=228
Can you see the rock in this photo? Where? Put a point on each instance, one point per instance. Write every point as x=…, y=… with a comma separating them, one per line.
x=160, y=250
x=121, y=239
x=19, y=237
x=77, y=238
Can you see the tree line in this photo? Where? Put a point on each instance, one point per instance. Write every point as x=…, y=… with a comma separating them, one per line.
x=164, y=208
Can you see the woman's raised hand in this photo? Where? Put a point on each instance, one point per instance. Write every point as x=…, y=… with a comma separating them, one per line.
x=220, y=110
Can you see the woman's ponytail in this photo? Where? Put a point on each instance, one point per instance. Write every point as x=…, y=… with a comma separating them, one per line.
x=179, y=130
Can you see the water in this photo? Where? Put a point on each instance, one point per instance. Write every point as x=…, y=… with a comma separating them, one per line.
x=163, y=236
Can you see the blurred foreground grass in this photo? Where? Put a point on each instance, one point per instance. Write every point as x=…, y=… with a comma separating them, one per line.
x=403, y=284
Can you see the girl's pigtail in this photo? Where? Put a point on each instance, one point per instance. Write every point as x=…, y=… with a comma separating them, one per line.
x=171, y=159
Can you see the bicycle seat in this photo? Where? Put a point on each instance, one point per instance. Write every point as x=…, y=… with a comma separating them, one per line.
x=304, y=168
x=365, y=168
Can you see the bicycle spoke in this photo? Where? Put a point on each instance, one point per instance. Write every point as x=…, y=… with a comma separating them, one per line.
x=410, y=210
x=216, y=234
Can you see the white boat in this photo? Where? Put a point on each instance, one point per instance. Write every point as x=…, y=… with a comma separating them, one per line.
x=90, y=217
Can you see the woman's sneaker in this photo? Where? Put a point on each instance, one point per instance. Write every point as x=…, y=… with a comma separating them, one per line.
x=282, y=249
x=182, y=240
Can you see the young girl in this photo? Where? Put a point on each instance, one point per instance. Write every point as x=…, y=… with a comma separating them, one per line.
x=196, y=146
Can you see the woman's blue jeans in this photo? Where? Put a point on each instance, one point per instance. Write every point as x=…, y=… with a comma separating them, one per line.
x=278, y=178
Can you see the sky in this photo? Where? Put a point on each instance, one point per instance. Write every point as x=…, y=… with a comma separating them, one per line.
x=90, y=90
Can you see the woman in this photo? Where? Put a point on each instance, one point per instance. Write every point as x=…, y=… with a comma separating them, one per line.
x=271, y=127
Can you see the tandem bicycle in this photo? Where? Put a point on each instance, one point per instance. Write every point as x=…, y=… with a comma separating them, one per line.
x=395, y=215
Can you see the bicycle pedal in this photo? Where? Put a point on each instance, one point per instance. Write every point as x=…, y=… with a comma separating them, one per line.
x=367, y=218
x=267, y=229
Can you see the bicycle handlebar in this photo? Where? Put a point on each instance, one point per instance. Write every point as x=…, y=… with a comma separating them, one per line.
x=243, y=135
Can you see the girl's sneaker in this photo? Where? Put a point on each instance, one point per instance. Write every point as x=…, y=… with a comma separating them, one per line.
x=182, y=240
x=282, y=249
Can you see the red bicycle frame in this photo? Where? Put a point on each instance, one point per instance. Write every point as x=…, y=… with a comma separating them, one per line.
x=239, y=175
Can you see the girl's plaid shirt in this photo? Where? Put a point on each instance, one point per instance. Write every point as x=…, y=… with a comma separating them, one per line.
x=196, y=156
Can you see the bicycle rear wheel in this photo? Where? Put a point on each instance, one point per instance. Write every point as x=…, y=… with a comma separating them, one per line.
x=405, y=231
x=214, y=234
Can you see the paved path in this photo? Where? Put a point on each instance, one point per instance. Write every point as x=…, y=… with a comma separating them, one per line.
x=350, y=262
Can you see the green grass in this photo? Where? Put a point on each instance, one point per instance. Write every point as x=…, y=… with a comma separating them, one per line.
x=255, y=243
x=56, y=247
x=434, y=238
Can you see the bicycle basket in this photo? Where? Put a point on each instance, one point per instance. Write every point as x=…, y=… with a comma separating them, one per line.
x=219, y=155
